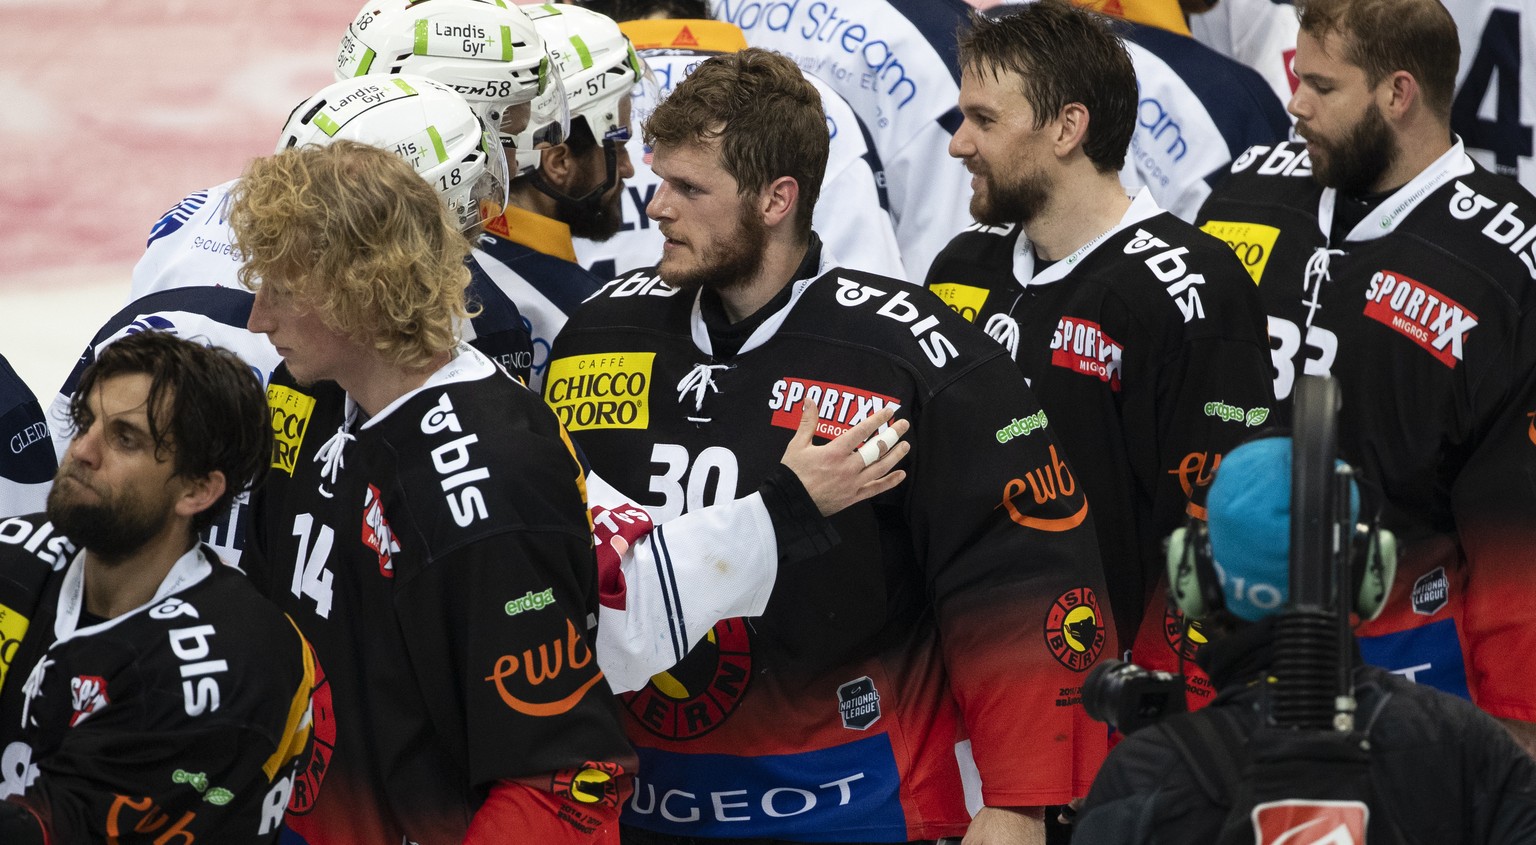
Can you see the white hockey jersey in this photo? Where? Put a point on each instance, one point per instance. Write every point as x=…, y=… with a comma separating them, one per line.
x=852, y=214
x=894, y=62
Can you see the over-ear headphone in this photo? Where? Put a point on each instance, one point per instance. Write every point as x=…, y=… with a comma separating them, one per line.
x=1196, y=589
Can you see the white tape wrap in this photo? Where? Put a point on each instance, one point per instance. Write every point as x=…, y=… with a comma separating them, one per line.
x=870, y=451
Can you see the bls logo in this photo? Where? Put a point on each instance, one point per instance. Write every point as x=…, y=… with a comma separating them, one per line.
x=1310, y=823
x=1074, y=629
x=1046, y=485
x=697, y=695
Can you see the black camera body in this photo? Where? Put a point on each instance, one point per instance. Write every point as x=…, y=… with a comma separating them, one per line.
x=1129, y=698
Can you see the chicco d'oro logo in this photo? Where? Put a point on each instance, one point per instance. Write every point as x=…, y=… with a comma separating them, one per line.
x=1074, y=629
x=290, y=419
x=695, y=696
x=611, y=390
x=1431, y=592
x=966, y=300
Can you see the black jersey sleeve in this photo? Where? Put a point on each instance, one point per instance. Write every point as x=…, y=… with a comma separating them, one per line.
x=1006, y=536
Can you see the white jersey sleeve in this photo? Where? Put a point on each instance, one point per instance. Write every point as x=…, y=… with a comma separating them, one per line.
x=665, y=586
x=1259, y=33
x=191, y=245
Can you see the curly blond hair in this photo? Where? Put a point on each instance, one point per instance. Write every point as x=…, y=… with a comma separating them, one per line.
x=352, y=233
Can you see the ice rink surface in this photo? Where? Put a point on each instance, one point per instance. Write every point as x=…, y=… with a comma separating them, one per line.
x=112, y=112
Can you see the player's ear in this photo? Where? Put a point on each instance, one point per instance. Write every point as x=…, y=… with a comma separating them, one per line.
x=198, y=494
x=1071, y=128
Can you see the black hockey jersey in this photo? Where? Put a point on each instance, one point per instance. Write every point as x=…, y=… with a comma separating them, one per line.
x=439, y=558
x=182, y=720
x=1425, y=313
x=1147, y=350
x=965, y=603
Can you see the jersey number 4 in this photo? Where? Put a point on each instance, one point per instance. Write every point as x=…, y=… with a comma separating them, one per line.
x=311, y=578
x=1498, y=51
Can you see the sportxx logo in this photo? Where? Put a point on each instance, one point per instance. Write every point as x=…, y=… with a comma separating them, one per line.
x=520, y=681
x=838, y=406
x=1074, y=629
x=1420, y=313
x=1193, y=473
x=1082, y=346
x=966, y=300
x=377, y=534
x=87, y=694
x=1253, y=243
x=1046, y=485
x=695, y=696
x=1310, y=823
x=611, y=390
x=291, y=411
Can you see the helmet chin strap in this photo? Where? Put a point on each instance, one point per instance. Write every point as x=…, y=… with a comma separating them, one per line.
x=589, y=204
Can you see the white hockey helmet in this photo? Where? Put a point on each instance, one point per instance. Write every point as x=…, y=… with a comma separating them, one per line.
x=598, y=68
x=487, y=50
x=424, y=122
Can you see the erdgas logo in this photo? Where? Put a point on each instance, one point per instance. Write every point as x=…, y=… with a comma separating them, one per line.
x=611, y=390
x=531, y=601
x=1022, y=428
x=1232, y=413
x=1420, y=313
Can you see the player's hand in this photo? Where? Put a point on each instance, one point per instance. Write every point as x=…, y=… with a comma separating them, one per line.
x=842, y=472
x=1006, y=826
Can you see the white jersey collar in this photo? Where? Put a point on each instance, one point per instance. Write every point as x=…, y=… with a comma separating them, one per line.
x=760, y=335
x=188, y=569
x=1142, y=207
x=468, y=364
x=1385, y=217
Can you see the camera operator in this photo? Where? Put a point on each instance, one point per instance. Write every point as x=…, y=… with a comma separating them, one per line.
x=1439, y=770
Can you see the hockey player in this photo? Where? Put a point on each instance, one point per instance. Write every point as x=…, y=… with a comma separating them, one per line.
x=475, y=553
x=1141, y=335
x=28, y=464
x=894, y=62
x=437, y=553
x=148, y=693
x=498, y=75
x=564, y=190
x=852, y=217
x=964, y=603
x=1387, y=258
